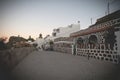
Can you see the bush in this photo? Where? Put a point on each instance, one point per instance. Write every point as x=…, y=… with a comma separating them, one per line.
x=3, y=46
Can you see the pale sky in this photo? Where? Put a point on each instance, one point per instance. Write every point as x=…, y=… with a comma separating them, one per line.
x=32, y=17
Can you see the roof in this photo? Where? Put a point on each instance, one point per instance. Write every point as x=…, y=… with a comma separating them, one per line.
x=109, y=17
x=101, y=24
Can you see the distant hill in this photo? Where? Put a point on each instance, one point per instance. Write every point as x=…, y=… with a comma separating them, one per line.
x=14, y=39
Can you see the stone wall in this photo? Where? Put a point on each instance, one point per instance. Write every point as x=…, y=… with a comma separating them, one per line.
x=11, y=57
x=63, y=39
x=101, y=54
x=63, y=47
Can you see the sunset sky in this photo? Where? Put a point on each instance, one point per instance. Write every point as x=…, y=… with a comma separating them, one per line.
x=32, y=17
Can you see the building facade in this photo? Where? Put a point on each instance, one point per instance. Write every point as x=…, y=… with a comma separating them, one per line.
x=66, y=31
x=100, y=41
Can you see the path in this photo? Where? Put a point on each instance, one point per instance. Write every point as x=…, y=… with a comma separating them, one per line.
x=46, y=65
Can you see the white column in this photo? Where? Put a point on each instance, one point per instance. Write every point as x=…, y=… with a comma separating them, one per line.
x=118, y=41
x=72, y=49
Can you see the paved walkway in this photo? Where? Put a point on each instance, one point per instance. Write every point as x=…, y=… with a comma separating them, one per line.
x=46, y=65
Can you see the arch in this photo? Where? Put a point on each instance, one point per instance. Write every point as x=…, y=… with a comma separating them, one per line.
x=93, y=39
x=80, y=40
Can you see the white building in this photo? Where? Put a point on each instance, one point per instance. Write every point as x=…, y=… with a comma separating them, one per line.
x=63, y=31
x=59, y=32
x=39, y=42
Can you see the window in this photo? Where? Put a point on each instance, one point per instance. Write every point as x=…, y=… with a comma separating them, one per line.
x=54, y=34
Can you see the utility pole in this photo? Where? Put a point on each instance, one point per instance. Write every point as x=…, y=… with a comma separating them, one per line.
x=105, y=13
x=91, y=21
x=79, y=25
x=108, y=7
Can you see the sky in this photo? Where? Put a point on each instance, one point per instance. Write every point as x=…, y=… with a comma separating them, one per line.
x=32, y=17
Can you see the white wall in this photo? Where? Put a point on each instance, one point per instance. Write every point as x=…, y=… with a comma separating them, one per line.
x=66, y=31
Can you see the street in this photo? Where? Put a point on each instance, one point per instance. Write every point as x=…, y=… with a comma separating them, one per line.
x=49, y=65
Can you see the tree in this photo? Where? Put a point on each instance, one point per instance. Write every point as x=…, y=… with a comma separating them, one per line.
x=40, y=35
x=51, y=44
x=30, y=39
x=2, y=43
